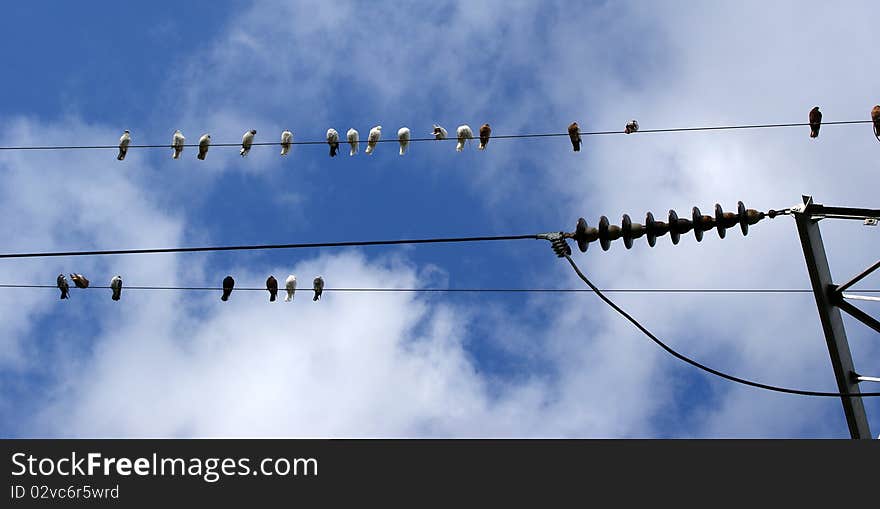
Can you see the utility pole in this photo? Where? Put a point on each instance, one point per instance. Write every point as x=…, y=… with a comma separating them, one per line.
x=830, y=300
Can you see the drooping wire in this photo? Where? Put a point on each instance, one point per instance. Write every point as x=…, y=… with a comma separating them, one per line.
x=703, y=367
x=393, y=139
x=306, y=245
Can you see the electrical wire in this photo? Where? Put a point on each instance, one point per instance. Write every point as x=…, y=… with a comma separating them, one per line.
x=305, y=245
x=703, y=367
x=464, y=290
x=343, y=142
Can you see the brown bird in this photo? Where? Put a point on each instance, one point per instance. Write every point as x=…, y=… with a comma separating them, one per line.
x=574, y=133
x=875, y=117
x=272, y=286
x=485, y=132
x=631, y=127
x=815, y=122
x=79, y=280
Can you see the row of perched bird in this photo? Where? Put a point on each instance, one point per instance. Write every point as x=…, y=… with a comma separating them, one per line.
x=228, y=284
x=463, y=133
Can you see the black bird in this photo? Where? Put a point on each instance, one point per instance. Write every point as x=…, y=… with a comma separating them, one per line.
x=272, y=286
x=116, y=286
x=815, y=122
x=318, y=286
x=63, y=286
x=228, y=283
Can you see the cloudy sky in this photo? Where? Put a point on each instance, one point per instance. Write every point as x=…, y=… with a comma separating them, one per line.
x=177, y=364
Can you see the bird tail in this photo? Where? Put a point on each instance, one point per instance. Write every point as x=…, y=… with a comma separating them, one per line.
x=333, y=148
x=402, y=149
x=285, y=150
x=271, y=297
x=64, y=295
x=244, y=152
x=459, y=146
x=224, y=297
x=577, y=146
x=175, y=154
x=121, y=155
x=115, y=296
x=316, y=297
x=201, y=156
x=353, y=150
x=287, y=299
x=369, y=149
x=482, y=146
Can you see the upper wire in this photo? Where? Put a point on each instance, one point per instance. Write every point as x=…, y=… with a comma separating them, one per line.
x=450, y=138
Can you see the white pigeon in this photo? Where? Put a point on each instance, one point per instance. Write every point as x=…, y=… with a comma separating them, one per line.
x=286, y=140
x=124, y=140
x=464, y=133
x=246, y=141
x=439, y=132
x=177, y=144
x=353, y=140
x=290, y=285
x=116, y=286
x=333, y=141
x=403, y=138
x=373, y=138
x=318, y=287
x=204, y=143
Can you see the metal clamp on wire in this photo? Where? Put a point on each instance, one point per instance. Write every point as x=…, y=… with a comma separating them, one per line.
x=557, y=242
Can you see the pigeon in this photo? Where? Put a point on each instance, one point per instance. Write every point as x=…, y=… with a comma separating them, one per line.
x=373, y=138
x=116, y=286
x=177, y=144
x=815, y=122
x=124, y=140
x=63, y=286
x=272, y=286
x=403, y=137
x=228, y=284
x=574, y=133
x=333, y=141
x=631, y=127
x=353, y=140
x=463, y=132
x=318, y=286
x=204, y=143
x=439, y=132
x=286, y=140
x=875, y=117
x=79, y=280
x=485, y=132
x=246, y=141
x=290, y=285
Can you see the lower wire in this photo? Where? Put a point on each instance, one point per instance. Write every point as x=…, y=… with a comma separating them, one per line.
x=703, y=367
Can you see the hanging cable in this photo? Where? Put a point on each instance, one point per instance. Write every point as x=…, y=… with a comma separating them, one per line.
x=449, y=139
x=703, y=367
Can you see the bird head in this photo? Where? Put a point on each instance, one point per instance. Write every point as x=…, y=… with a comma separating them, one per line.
x=126, y=131
x=253, y=131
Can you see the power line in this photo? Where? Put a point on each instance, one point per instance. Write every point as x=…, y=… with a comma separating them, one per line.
x=305, y=245
x=460, y=290
x=703, y=367
x=342, y=142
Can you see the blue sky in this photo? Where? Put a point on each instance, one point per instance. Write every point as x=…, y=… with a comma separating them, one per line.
x=183, y=364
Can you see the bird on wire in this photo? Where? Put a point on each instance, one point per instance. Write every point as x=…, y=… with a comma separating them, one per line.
x=246, y=141
x=290, y=286
x=272, y=286
x=333, y=141
x=79, y=280
x=574, y=133
x=373, y=138
x=177, y=140
x=286, y=140
x=631, y=127
x=353, y=138
x=463, y=133
x=318, y=287
x=124, y=141
x=485, y=133
x=204, y=143
x=116, y=286
x=403, y=138
x=228, y=284
x=61, y=281
x=439, y=132
x=815, y=122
